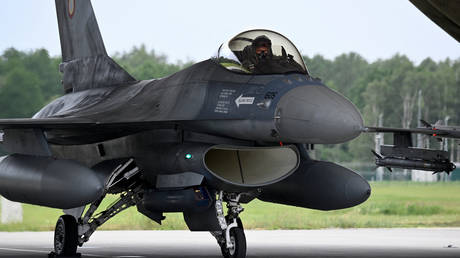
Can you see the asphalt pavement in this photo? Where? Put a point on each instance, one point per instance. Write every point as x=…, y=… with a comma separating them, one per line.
x=437, y=242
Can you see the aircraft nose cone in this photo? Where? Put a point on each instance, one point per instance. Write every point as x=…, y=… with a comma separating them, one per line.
x=317, y=114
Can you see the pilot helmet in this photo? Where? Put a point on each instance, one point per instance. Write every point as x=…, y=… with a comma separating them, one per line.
x=262, y=41
x=262, y=45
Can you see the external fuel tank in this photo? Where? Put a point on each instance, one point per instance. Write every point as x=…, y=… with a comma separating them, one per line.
x=319, y=185
x=49, y=182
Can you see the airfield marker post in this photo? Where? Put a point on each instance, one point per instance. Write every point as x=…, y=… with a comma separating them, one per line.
x=11, y=211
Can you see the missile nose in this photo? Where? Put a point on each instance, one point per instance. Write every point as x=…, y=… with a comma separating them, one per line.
x=317, y=114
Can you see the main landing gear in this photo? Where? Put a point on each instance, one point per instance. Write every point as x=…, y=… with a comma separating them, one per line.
x=76, y=227
x=65, y=237
x=231, y=238
x=71, y=232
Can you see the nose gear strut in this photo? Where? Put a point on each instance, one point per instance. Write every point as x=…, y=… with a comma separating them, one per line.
x=231, y=238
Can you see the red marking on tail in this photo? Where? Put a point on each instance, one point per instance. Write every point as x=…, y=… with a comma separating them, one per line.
x=71, y=5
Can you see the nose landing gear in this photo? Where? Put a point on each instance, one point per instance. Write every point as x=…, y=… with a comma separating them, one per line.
x=231, y=239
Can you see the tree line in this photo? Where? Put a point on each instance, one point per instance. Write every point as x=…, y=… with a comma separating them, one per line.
x=394, y=87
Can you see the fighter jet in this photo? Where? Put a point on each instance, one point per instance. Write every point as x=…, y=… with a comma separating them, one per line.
x=226, y=130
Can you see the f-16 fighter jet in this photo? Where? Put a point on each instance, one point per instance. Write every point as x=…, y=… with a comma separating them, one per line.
x=222, y=132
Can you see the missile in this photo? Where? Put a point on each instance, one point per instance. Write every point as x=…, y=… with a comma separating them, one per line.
x=436, y=166
x=413, y=158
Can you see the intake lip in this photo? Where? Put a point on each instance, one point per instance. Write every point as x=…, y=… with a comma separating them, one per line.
x=251, y=166
x=317, y=114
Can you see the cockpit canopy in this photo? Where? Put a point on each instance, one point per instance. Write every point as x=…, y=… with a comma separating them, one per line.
x=260, y=52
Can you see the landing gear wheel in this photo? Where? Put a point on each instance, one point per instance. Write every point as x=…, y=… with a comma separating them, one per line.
x=239, y=244
x=66, y=236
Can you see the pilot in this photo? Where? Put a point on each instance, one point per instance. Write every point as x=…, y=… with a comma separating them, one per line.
x=259, y=52
x=263, y=47
x=258, y=58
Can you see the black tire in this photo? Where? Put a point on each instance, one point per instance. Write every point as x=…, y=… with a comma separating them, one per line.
x=66, y=236
x=239, y=241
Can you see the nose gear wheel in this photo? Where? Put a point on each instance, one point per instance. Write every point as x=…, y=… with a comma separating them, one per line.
x=231, y=239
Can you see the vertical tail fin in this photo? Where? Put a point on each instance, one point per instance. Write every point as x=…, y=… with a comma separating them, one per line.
x=78, y=29
x=85, y=63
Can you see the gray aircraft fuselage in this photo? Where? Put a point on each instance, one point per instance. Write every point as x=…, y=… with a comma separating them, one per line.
x=207, y=98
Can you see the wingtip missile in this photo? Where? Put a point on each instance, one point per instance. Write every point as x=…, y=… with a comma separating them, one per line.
x=413, y=160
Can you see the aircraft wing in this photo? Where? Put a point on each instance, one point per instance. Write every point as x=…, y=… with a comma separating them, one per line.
x=26, y=135
x=31, y=136
x=445, y=13
x=440, y=132
x=75, y=123
x=371, y=129
x=443, y=133
x=45, y=123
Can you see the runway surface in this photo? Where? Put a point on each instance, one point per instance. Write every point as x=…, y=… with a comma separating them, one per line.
x=443, y=242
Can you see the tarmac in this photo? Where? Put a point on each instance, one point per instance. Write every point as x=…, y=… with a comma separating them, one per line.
x=410, y=242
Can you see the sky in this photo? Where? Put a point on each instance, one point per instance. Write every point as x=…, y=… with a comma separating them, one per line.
x=193, y=30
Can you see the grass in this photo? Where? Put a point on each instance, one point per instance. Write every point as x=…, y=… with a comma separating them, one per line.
x=392, y=204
